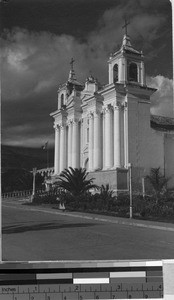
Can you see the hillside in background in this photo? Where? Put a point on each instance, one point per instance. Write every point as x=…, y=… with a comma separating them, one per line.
x=23, y=157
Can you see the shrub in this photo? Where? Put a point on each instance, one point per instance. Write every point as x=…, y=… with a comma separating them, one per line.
x=44, y=199
x=47, y=197
x=158, y=182
x=105, y=202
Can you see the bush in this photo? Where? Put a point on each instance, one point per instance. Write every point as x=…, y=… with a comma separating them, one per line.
x=123, y=200
x=104, y=202
x=163, y=210
x=46, y=197
x=158, y=183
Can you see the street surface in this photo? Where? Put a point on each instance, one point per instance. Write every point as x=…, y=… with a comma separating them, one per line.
x=35, y=234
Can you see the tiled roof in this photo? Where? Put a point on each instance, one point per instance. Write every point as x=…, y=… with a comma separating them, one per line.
x=162, y=123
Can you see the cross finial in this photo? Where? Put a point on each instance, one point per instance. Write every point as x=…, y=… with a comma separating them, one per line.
x=72, y=62
x=125, y=25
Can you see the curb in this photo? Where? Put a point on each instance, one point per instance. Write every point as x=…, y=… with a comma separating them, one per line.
x=100, y=219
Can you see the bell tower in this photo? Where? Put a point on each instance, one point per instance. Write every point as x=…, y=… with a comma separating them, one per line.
x=127, y=64
x=131, y=98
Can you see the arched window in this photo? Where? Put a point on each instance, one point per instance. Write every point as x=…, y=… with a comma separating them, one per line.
x=115, y=73
x=62, y=100
x=133, y=72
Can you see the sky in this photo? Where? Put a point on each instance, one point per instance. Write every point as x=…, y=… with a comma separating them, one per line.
x=39, y=38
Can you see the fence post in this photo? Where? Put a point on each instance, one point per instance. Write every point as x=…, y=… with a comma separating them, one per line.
x=130, y=189
x=143, y=187
x=34, y=183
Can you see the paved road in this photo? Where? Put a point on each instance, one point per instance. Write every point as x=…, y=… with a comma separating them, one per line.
x=31, y=234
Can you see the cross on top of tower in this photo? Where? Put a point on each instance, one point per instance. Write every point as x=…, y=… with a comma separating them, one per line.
x=72, y=63
x=71, y=72
x=125, y=25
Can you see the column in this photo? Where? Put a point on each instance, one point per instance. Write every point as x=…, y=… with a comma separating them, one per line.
x=81, y=142
x=91, y=135
x=126, y=74
x=97, y=141
x=143, y=77
x=57, y=150
x=122, y=70
x=62, y=148
x=69, y=144
x=108, y=139
x=103, y=142
x=126, y=136
x=117, y=137
x=75, y=145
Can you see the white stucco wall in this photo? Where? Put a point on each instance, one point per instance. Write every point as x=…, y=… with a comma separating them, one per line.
x=156, y=154
x=169, y=158
x=146, y=145
x=132, y=130
x=148, y=148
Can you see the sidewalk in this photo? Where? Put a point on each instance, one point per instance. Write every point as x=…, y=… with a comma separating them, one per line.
x=97, y=217
x=123, y=221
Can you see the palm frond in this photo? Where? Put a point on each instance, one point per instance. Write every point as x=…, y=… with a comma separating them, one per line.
x=158, y=181
x=74, y=180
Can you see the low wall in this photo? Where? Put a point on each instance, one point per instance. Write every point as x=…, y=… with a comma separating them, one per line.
x=116, y=178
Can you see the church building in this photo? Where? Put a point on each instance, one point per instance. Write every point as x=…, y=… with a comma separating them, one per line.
x=105, y=129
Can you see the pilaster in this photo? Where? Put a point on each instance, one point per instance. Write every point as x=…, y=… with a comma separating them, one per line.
x=75, y=145
x=108, y=138
x=97, y=141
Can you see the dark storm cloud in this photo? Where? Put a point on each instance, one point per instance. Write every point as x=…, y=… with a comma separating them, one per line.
x=36, y=62
x=30, y=123
x=72, y=17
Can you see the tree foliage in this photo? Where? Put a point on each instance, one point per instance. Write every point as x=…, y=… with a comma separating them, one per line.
x=158, y=182
x=75, y=181
x=19, y=180
x=106, y=192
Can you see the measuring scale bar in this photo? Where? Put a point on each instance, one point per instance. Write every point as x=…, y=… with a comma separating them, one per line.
x=80, y=283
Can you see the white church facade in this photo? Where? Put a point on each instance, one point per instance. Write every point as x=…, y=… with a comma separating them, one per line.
x=106, y=128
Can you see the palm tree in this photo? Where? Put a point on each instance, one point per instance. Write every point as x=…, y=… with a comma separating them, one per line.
x=158, y=182
x=105, y=192
x=106, y=195
x=74, y=181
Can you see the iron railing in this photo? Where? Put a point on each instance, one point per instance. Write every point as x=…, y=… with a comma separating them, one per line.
x=21, y=194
